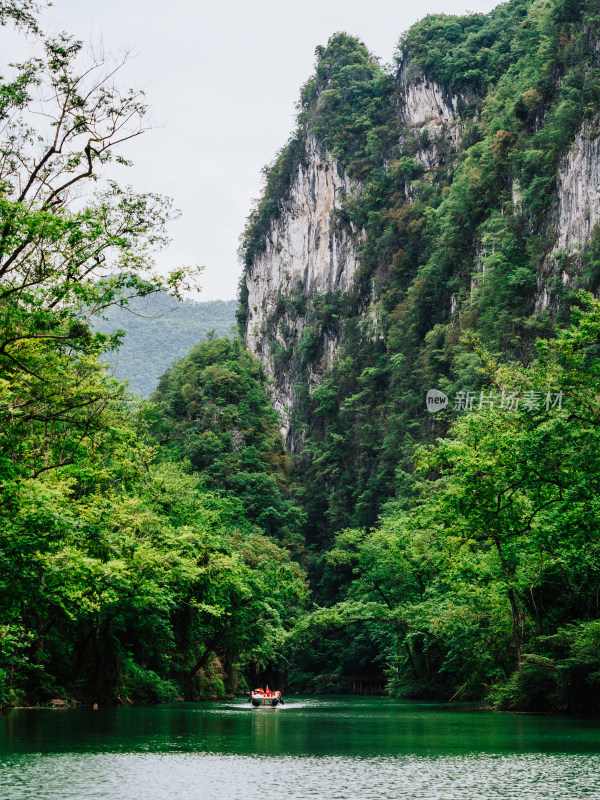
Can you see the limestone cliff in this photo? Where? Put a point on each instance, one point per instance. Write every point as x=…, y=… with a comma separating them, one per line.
x=304, y=254
x=430, y=112
x=578, y=190
x=574, y=214
x=457, y=193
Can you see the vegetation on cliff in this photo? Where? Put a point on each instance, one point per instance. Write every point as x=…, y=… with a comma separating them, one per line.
x=486, y=583
x=215, y=414
x=455, y=251
x=470, y=233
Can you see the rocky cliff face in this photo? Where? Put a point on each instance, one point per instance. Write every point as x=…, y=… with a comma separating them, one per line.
x=427, y=214
x=305, y=253
x=472, y=172
x=431, y=113
x=578, y=190
x=576, y=209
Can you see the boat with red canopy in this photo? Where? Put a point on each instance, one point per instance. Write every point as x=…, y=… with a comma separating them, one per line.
x=265, y=697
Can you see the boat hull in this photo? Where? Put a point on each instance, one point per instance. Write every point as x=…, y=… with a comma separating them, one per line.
x=265, y=701
x=270, y=702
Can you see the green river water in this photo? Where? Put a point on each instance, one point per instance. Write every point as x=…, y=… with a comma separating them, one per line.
x=324, y=747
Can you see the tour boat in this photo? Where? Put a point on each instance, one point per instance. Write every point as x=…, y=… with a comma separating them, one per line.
x=265, y=697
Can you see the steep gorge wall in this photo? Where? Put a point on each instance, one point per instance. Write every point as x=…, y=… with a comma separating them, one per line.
x=574, y=214
x=577, y=208
x=306, y=252
x=430, y=112
x=414, y=213
x=441, y=199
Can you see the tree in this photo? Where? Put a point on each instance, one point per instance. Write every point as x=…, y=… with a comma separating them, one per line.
x=487, y=583
x=64, y=257
x=121, y=575
x=216, y=414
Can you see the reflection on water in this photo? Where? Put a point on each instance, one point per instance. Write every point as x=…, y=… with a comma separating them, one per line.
x=331, y=748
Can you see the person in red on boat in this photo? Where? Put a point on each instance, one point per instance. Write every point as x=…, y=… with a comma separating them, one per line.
x=265, y=697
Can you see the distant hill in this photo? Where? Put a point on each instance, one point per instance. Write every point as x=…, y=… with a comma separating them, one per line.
x=161, y=330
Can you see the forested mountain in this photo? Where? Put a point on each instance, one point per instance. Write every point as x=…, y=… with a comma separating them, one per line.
x=432, y=227
x=422, y=229
x=159, y=330
x=216, y=415
x=454, y=197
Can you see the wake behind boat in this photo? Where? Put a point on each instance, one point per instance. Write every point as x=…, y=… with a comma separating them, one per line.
x=265, y=697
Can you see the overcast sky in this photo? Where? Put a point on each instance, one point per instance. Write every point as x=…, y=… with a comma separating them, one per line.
x=223, y=80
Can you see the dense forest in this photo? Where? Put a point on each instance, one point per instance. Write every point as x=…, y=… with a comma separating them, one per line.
x=455, y=552
x=158, y=330
x=172, y=548
x=131, y=567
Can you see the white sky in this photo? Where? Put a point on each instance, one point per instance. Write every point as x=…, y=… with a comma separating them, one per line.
x=223, y=80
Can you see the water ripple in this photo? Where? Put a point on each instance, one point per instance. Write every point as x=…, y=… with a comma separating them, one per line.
x=196, y=776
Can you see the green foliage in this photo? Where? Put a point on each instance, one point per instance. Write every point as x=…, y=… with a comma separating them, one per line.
x=62, y=259
x=121, y=578
x=346, y=104
x=488, y=582
x=469, y=51
x=122, y=574
x=216, y=414
x=145, y=685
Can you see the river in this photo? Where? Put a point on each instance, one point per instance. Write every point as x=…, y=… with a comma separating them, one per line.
x=331, y=748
